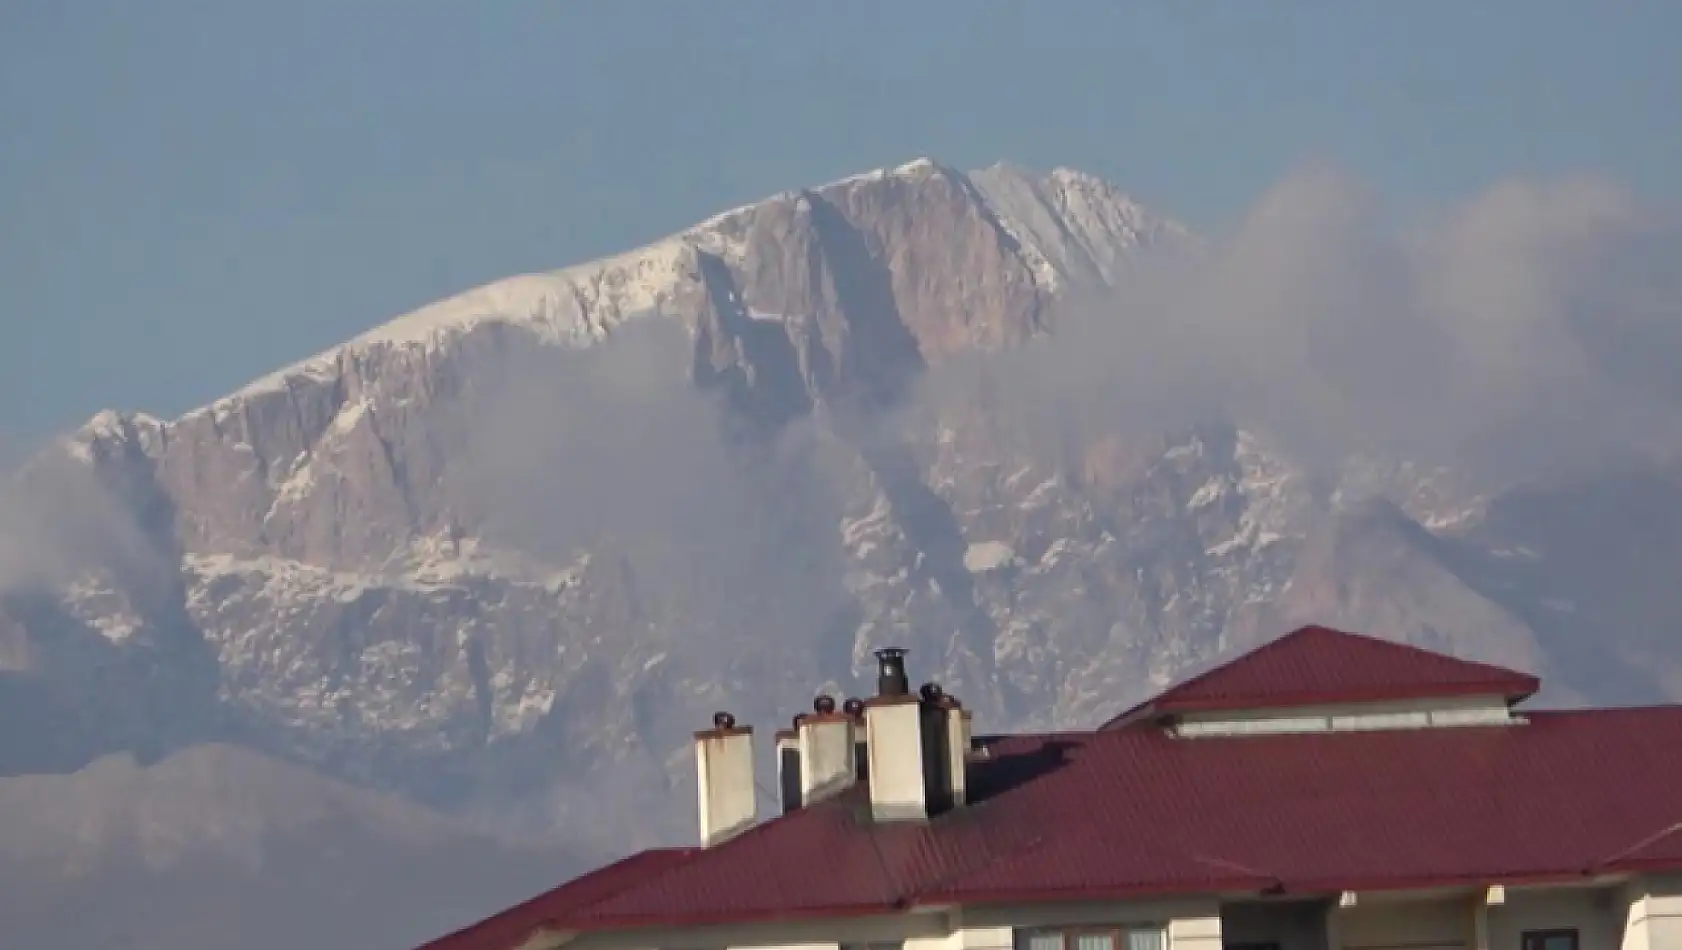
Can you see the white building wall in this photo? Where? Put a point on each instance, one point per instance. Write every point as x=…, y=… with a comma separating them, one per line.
x=967, y=938
x=1188, y=925
x=1196, y=931
x=1645, y=916
x=1435, y=923
x=1654, y=916
x=1463, y=920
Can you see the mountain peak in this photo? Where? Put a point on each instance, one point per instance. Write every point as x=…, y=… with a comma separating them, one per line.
x=1071, y=226
x=843, y=290
x=916, y=168
x=1064, y=175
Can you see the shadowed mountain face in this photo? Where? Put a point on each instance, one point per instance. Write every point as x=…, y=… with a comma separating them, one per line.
x=500, y=556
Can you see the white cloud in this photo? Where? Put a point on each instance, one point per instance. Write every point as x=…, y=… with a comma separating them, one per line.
x=1493, y=335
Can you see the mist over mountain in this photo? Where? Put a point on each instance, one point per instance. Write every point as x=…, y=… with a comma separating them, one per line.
x=215, y=846
x=494, y=560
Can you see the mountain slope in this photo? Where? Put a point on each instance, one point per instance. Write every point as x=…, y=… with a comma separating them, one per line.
x=216, y=846
x=500, y=554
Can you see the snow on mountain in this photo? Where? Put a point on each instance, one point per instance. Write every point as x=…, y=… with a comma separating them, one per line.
x=1075, y=228
x=1079, y=227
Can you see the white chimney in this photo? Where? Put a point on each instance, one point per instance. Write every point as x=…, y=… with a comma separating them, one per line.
x=828, y=754
x=898, y=786
x=789, y=794
x=917, y=746
x=907, y=738
x=724, y=779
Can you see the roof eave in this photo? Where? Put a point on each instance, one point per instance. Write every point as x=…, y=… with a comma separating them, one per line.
x=1664, y=865
x=1426, y=882
x=1247, y=884
x=971, y=896
x=1512, y=691
x=1165, y=708
x=626, y=922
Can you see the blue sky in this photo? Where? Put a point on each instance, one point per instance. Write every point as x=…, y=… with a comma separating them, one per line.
x=196, y=192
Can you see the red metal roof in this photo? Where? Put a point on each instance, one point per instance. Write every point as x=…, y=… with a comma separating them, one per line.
x=1319, y=665
x=1134, y=811
x=511, y=927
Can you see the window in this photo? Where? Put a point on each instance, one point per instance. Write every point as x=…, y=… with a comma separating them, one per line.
x=1106, y=938
x=1548, y=940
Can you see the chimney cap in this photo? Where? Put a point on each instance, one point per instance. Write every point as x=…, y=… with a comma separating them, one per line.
x=723, y=720
x=931, y=692
x=824, y=704
x=854, y=707
x=890, y=677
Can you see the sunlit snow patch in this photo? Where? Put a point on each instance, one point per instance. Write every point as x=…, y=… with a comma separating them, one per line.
x=984, y=556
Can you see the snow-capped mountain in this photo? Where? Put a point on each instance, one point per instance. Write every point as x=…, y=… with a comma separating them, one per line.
x=502, y=554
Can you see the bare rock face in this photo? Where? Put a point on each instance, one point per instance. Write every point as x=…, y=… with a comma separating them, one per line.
x=501, y=554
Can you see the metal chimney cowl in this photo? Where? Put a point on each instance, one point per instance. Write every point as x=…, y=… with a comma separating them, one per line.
x=890, y=678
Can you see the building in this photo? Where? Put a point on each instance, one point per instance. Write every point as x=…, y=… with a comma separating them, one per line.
x=1327, y=791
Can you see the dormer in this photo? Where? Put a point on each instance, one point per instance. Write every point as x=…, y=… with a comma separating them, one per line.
x=1317, y=679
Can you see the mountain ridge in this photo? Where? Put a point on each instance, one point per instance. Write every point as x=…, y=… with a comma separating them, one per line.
x=532, y=301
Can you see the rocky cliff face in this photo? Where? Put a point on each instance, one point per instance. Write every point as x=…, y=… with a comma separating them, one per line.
x=502, y=554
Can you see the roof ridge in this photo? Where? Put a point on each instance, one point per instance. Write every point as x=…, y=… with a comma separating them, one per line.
x=1218, y=665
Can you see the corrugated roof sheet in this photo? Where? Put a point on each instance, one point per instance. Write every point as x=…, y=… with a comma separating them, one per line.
x=1134, y=811
x=511, y=927
x=1319, y=665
